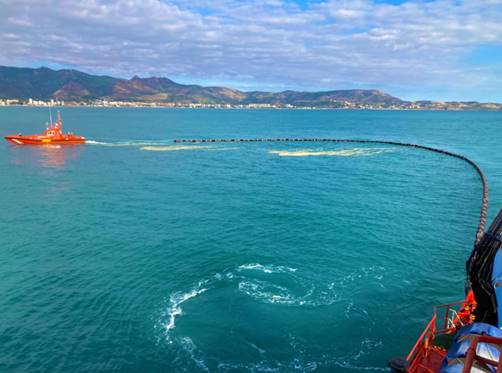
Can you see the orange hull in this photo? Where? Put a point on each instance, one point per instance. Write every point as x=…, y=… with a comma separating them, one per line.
x=45, y=140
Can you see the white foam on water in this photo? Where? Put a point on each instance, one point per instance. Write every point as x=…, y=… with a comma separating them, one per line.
x=218, y=149
x=173, y=148
x=352, y=309
x=129, y=143
x=92, y=142
x=191, y=349
x=157, y=146
x=261, y=351
x=367, y=346
x=354, y=152
x=258, y=281
x=372, y=273
x=301, y=292
x=265, y=366
x=267, y=292
x=347, y=365
x=175, y=302
x=266, y=268
x=249, y=280
x=244, y=279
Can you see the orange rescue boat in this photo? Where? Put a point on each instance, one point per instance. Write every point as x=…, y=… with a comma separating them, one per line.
x=53, y=135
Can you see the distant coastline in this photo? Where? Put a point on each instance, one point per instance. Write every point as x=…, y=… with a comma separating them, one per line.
x=47, y=87
x=433, y=106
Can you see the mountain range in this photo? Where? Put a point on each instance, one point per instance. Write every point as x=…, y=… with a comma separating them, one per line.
x=73, y=85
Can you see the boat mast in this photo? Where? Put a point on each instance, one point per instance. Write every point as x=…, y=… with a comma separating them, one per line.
x=58, y=122
x=50, y=115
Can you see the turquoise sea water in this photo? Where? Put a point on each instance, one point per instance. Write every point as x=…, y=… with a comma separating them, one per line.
x=134, y=254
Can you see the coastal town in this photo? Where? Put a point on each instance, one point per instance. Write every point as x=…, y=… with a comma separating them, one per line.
x=404, y=105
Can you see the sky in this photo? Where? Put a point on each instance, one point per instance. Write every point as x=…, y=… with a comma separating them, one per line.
x=418, y=49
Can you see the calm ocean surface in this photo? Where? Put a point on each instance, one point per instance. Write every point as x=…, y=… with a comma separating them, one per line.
x=134, y=254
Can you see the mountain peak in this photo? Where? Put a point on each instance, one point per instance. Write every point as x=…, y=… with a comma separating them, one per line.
x=45, y=83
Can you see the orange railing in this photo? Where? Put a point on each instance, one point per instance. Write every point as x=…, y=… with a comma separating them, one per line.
x=472, y=356
x=450, y=318
x=445, y=324
x=421, y=348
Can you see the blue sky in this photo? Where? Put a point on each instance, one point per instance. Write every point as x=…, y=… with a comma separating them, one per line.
x=435, y=49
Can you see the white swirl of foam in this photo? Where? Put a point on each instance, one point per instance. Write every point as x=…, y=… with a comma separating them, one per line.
x=176, y=300
x=244, y=278
x=266, y=268
x=266, y=292
x=354, y=152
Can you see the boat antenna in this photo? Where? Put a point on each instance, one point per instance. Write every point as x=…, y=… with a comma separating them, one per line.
x=59, y=120
x=50, y=115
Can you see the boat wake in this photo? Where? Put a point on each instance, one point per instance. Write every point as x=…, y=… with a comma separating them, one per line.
x=354, y=152
x=157, y=146
x=128, y=143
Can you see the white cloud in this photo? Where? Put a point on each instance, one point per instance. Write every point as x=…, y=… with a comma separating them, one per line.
x=335, y=44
